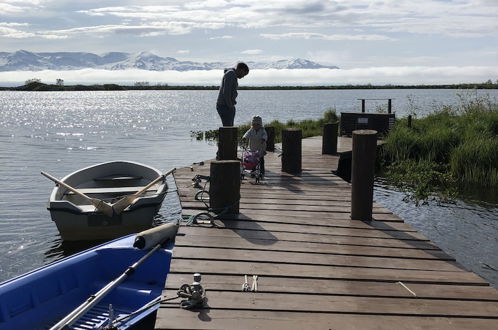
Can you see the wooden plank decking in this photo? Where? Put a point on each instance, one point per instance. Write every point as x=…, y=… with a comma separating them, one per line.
x=316, y=268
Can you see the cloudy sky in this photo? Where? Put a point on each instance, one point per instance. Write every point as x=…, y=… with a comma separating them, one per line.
x=381, y=41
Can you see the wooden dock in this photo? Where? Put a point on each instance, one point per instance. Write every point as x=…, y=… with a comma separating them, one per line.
x=316, y=268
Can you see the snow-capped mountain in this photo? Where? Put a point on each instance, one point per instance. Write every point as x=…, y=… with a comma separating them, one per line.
x=23, y=60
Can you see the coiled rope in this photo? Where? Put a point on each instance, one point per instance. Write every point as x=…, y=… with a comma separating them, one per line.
x=210, y=214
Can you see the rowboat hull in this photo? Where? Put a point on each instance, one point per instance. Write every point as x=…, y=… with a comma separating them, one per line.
x=77, y=219
x=97, y=226
x=40, y=298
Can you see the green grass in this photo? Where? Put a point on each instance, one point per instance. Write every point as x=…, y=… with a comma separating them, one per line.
x=449, y=149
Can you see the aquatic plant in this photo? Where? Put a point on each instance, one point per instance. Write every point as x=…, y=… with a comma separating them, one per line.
x=422, y=180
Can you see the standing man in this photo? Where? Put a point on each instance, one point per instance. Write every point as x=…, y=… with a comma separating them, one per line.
x=228, y=93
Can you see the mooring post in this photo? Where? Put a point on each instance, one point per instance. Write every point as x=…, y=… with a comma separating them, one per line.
x=270, y=144
x=362, y=105
x=329, y=138
x=362, y=174
x=291, y=150
x=224, y=186
x=389, y=105
x=228, y=141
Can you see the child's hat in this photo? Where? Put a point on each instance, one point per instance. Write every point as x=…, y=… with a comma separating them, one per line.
x=257, y=120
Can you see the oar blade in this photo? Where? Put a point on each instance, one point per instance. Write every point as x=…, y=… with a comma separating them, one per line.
x=98, y=203
x=123, y=203
x=103, y=207
x=126, y=201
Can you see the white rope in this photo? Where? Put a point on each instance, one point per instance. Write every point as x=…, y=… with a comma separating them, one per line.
x=404, y=286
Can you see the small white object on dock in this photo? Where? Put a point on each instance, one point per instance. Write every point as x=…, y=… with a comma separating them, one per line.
x=408, y=289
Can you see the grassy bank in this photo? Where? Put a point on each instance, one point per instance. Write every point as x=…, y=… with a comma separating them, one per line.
x=452, y=148
x=309, y=127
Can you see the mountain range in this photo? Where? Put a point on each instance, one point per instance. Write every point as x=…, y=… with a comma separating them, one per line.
x=23, y=60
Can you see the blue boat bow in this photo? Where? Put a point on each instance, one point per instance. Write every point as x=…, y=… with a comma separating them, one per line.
x=41, y=298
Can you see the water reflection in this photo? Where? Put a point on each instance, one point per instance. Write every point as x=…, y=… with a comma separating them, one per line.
x=464, y=229
x=59, y=249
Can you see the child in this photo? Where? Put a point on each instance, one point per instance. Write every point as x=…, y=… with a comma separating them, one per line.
x=257, y=137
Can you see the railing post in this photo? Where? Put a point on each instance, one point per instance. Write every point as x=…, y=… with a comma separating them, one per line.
x=292, y=150
x=389, y=105
x=362, y=105
x=228, y=141
x=270, y=144
x=329, y=138
x=224, y=186
x=362, y=174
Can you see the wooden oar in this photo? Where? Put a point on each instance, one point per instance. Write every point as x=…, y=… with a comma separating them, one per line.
x=124, y=202
x=98, y=203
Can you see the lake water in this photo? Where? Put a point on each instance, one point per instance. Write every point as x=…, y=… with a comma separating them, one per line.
x=60, y=132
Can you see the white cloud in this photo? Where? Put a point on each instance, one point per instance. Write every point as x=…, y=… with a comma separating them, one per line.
x=24, y=2
x=13, y=24
x=150, y=30
x=7, y=9
x=272, y=77
x=252, y=52
x=8, y=32
x=321, y=36
x=221, y=37
x=15, y=7
x=465, y=17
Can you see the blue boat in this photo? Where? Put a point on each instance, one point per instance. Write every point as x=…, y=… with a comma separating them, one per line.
x=132, y=278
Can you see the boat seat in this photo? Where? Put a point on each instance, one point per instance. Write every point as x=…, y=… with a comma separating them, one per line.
x=111, y=190
x=118, y=178
x=87, y=208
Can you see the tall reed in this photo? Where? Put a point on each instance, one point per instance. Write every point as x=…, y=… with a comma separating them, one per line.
x=461, y=141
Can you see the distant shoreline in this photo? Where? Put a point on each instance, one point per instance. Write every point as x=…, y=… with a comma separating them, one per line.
x=41, y=87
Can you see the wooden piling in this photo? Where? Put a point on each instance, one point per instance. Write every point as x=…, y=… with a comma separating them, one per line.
x=291, y=150
x=389, y=105
x=270, y=143
x=362, y=174
x=329, y=138
x=224, y=187
x=228, y=141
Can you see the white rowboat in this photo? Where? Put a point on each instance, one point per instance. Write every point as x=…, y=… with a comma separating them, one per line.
x=78, y=219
